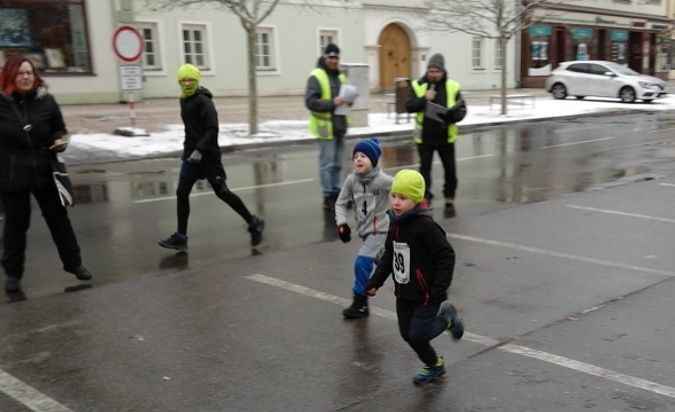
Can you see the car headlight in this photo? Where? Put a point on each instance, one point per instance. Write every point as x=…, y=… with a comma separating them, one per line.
x=647, y=85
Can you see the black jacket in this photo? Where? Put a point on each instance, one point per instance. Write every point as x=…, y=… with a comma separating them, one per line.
x=432, y=259
x=314, y=103
x=201, y=125
x=433, y=132
x=24, y=156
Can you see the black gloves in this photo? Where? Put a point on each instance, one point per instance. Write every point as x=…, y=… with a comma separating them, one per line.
x=195, y=157
x=344, y=232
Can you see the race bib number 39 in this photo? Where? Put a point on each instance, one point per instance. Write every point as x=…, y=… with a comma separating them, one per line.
x=401, y=263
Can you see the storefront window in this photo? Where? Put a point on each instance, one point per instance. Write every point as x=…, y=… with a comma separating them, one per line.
x=52, y=33
x=662, y=48
x=540, y=35
x=581, y=38
x=619, y=46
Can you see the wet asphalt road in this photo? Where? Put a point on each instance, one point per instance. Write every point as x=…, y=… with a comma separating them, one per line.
x=564, y=245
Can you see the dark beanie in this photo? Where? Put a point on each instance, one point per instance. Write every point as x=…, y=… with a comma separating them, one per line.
x=331, y=50
x=370, y=148
x=437, y=61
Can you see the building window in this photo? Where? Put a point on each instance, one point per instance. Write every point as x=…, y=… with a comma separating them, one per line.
x=52, y=33
x=264, y=49
x=477, y=53
x=151, y=54
x=326, y=37
x=194, y=45
x=499, y=58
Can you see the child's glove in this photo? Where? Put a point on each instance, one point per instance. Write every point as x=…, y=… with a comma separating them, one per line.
x=344, y=232
x=195, y=157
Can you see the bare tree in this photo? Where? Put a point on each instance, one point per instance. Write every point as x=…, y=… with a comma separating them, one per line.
x=488, y=19
x=250, y=13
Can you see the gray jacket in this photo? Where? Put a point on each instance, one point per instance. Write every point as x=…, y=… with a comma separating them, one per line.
x=369, y=193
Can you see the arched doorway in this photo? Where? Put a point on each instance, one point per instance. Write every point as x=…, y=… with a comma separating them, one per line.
x=394, y=55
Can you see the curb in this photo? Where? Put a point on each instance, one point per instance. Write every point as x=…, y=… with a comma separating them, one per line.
x=390, y=136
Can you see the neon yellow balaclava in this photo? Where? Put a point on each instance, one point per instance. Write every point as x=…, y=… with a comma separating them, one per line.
x=188, y=71
x=410, y=184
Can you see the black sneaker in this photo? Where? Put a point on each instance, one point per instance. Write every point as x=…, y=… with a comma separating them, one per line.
x=255, y=228
x=358, y=309
x=177, y=241
x=12, y=285
x=81, y=273
x=455, y=323
x=449, y=210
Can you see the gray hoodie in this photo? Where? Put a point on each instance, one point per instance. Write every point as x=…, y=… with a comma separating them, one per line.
x=369, y=193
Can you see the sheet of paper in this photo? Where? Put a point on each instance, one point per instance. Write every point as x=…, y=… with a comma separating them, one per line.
x=348, y=93
x=435, y=112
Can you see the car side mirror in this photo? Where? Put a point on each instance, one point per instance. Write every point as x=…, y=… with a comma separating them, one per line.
x=610, y=74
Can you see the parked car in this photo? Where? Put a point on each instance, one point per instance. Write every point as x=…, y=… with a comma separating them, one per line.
x=603, y=79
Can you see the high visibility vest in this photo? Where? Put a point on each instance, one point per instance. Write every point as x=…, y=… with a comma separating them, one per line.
x=320, y=124
x=451, y=89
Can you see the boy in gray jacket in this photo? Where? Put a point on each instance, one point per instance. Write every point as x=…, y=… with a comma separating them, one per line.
x=367, y=189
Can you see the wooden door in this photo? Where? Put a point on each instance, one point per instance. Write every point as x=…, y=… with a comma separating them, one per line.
x=394, y=59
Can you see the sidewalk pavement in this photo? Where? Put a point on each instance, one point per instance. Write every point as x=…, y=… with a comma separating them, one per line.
x=283, y=120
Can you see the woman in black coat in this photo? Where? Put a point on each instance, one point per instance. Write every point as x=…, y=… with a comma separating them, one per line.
x=32, y=131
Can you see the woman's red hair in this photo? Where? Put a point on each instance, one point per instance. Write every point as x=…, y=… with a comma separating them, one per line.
x=9, y=72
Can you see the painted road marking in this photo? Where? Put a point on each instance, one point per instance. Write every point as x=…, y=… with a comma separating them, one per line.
x=290, y=182
x=667, y=184
x=563, y=255
x=326, y=297
x=617, y=212
x=28, y=396
x=590, y=369
x=600, y=139
x=550, y=358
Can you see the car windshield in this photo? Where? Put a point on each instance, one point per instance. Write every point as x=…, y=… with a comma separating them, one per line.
x=625, y=70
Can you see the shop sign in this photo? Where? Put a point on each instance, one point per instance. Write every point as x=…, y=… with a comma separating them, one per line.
x=618, y=35
x=539, y=30
x=581, y=33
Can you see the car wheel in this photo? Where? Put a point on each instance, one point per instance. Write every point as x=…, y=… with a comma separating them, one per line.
x=559, y=91
x=579, y=97
x=627, y=94
x=647, y=100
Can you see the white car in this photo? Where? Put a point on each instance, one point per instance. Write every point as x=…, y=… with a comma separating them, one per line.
x=603, y=79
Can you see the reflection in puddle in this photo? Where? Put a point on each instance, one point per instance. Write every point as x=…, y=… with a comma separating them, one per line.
x=523, y=165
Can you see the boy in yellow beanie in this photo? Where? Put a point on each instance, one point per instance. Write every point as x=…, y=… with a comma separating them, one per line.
x=201, y=159
x=422, y=261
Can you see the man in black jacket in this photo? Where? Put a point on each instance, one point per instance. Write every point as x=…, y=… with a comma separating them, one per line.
x=439, y=106
x=201, y=158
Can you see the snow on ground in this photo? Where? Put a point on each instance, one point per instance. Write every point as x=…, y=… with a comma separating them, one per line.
x=85, y=148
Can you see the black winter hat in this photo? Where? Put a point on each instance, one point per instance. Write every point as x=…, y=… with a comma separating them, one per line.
x=331, y=50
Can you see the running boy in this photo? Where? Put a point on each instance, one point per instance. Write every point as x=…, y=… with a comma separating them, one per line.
x=367, y=189
x=422, y=261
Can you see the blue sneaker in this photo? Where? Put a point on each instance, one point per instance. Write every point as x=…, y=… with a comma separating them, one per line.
x=455, y=323
x=430, y=373
x=177, y=241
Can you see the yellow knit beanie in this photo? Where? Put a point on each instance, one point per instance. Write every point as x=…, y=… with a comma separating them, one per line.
x=410, y=184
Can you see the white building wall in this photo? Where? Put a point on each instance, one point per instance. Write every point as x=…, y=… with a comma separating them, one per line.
x=295, y=33
x=455, y=47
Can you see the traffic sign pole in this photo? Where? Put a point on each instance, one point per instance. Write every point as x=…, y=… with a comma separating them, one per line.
x=127, y=45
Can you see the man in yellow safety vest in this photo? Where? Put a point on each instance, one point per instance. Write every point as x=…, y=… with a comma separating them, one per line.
x=322, y=98
x=439, y=106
